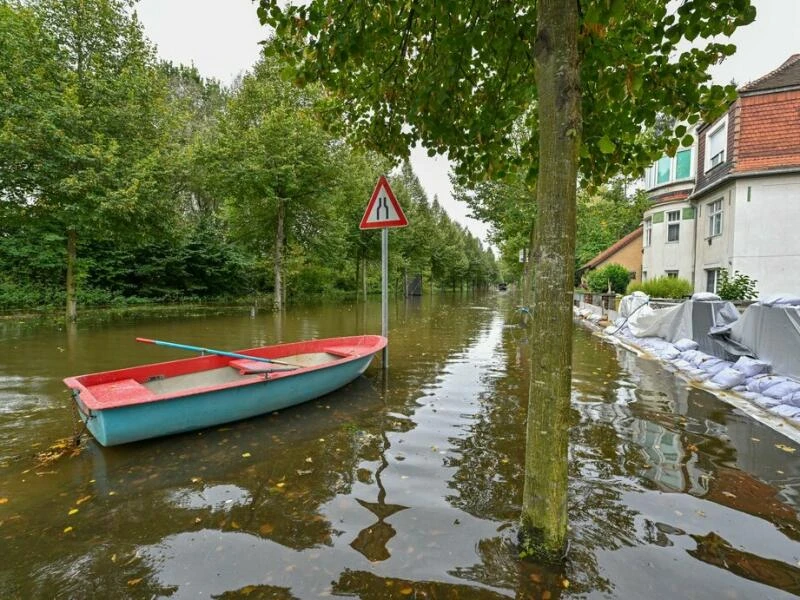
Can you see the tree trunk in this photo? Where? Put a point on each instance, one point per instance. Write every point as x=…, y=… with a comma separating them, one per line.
x=277, y=301
x=544, y=504
x=72, y=259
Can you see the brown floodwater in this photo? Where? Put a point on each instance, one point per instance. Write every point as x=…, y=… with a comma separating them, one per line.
x=399, y=486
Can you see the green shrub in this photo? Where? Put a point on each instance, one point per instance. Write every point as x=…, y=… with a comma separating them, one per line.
x=618, y=275
x=737, y=286
x=662, y=287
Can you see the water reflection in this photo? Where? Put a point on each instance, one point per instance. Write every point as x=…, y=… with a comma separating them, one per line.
x=397, y=486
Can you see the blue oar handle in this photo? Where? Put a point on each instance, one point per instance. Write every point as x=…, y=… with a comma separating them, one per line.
x=210, y=351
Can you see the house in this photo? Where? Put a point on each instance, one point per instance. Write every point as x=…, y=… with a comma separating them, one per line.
x=626, y=251
x=738, y=206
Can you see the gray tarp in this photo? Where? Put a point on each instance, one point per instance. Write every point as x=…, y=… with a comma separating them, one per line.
x=689, y=319
x=770, y=333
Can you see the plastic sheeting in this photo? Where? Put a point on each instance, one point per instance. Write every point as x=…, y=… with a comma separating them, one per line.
x=690, y=320
x=772, y=333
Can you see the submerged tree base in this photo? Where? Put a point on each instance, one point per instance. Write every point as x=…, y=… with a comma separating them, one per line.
x=534, y=546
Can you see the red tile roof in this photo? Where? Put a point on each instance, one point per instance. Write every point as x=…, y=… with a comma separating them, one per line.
x=769, y=132
x=614, y=248
x=785, y=76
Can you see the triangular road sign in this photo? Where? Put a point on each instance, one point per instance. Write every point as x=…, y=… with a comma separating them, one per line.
x=383, y=209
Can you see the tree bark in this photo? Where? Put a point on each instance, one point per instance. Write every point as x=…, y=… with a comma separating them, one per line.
x=544, y=507
x=280, y=239
x=71, y=291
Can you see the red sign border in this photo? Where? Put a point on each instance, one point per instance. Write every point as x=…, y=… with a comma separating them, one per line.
x=401, y=221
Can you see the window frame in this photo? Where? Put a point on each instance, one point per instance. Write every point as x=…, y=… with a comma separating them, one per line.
x=673, y=224
x=648, y=232
x=720, y=127
x=672, y=274
x=715, y=218
x=715, y=285
x=691, y=164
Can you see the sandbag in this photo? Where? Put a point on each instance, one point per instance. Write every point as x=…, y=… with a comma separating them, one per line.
x=760, y=383
x=783, y=389
x=728, y=378
x=685, y=344
x=751, y=366
x=786, y=411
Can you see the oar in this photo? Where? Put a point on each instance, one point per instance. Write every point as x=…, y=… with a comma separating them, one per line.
x=211, y=351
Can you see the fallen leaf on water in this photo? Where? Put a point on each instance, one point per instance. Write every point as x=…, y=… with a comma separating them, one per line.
x=197, y=520
x=235, y=525
x=113, y=558
x=84, y=499
x=133, y=582
x=246, y=455
x=266, y=529
x=196, y=480
x=112, y=493
x=3, y=500
x=536, y=578
x=565, y=583
x=280, y=484
x=309, y=460
x=67, y=529
x=72, y=511
x=304, y=472
x=407, y=591
x=755, y=439
x=729, y=495
x=785, y=448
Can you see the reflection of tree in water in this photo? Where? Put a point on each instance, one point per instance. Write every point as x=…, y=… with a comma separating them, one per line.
x=714, y=550
x=257, y=592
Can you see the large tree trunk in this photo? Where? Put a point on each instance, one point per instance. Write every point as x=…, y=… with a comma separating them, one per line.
x=544, y=505
x=280, y=240
x=72, y=260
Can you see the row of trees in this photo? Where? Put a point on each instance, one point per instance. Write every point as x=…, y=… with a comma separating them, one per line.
x=124, y=179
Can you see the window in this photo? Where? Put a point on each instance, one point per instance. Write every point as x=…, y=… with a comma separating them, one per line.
x=663, y=168
x=671, y=274
x=648, y=231
x=712, y=280
x=631, y=275
x=644, y=275
x=673, y=225
x=716, y=143
x=683, y=164
x=715, y=218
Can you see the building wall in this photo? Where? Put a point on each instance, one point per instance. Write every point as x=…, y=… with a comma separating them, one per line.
x=714, y=252
x=766, y=243
x=662, y=256
x=629, y=257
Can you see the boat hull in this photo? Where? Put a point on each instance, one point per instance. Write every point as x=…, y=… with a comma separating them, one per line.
x=192, y=410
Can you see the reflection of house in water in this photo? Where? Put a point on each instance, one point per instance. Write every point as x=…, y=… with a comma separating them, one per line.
x=696, y=444
x=671, y=466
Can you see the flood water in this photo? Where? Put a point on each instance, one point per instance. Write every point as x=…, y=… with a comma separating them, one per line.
x=404, y=486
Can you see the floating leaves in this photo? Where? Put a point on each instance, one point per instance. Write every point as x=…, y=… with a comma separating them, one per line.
x=266, y=528
x=72, y=511
x=246, y=455
x=133, y=582
x=3, y=500
x=67, y=529
x=785, y=448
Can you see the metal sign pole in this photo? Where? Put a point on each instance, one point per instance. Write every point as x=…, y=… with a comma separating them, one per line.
x=385, y=293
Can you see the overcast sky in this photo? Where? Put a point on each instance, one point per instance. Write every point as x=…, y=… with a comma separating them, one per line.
x=220, y=37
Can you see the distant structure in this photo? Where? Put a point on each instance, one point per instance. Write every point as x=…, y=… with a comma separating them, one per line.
x=626, y=251
x=732, y=200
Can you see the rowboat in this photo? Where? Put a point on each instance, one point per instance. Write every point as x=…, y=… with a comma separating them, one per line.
x=137, y=403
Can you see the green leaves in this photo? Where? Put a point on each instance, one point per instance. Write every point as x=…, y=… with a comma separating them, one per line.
x=606, y=146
